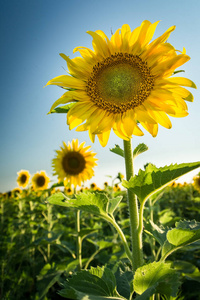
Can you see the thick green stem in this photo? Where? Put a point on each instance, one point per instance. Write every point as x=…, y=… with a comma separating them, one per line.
x=137, y=256
x=78, y=240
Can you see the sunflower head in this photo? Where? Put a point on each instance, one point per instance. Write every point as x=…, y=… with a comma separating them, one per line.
x=116, y=188
x=40, y=181
x=16, y=192
x=74, y=163
x=124, y=81
x=23, y=178
x=196, y=183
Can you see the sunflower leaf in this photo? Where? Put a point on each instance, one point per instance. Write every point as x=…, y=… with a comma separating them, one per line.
x=156, y=277
x=139, y=149
x=117, y=150
x=185, y=233
x=113, y=204
x=95, y=203
x=94, y=284
x=153, y=179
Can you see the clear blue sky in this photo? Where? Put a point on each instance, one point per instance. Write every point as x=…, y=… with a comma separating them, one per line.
x=33, y=33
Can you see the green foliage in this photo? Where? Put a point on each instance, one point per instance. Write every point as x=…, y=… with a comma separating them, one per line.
x=61, y=109
x=38, y=254
x=148, y=182
x=156, y=277
x=94, y=284
x=117, y=150
x=185, y=233
x=141, y=148
x=95, y=203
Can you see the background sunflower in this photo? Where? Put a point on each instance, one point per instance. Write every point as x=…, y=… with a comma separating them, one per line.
x=74, y=163
x=23, y=178
x=40, y=181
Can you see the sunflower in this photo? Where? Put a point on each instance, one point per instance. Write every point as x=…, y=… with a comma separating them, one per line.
x=16, y=192
x=124, y=81
x=40, y=181
x=74, y=163
x=196, y=183
x=23, y=178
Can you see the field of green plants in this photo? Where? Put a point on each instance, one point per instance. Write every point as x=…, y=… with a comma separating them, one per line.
x=42, y=244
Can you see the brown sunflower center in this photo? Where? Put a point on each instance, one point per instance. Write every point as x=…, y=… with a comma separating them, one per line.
x=23, y=178
x=40, y=181
x=120, y=82
x=73, y=163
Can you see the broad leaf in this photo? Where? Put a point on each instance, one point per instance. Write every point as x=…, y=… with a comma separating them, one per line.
x=156, y=277
x=124, y=277
x=185, y=233
x=94, y=284
x=113, y=204
x=117, y=150
x=159, y=233
x=48, y=276
x=148, y=182
x=95, y=203
x=141, y=148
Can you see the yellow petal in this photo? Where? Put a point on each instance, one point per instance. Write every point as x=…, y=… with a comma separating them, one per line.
x=99, y=44
x=160, y=117
x=182, y=81
x=67, y=81
x=151, y=128
x=65, y=98
x=103, y=138
x=166, y=67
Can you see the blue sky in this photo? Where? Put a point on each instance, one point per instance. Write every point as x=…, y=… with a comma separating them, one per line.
x=33, y=33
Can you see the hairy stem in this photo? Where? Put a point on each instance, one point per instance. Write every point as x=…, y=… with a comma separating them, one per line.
x=137, y=256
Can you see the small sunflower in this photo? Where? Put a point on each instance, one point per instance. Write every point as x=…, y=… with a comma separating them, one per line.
x=68, y=191
x=16, y=192
x=40, y=181
x=196, y=183
x=23, y=178
x=124, y=81
x=116, y=188
x=74, y=163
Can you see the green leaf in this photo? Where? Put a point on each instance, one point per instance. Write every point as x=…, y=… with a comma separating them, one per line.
x=124, y=277
x=113, y=204
x=159, y=233
x=156, y=277
x=48, y=276
x=94, y=284
x=117, y=150
x=61, y=109
x=182, y=236
x=141, y=148
x=185, y=233
x=148, y=182
x=95, y=203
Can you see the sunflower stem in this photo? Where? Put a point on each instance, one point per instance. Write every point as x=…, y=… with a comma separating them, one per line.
x=78, y=240
x=137, y=255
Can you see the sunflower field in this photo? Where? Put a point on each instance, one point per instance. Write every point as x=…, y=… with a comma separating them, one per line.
x=39, y=240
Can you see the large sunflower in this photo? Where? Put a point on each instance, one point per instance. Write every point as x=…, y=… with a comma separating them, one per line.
x=40, y=181
x=124, y=81
x=74, y=163
x=23, y=178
